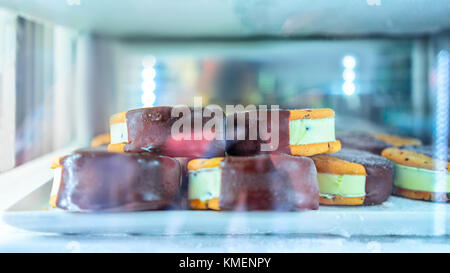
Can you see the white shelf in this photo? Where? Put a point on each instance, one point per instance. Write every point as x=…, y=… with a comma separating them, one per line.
x=19, y=241
x=27, y=209
x=397, y=216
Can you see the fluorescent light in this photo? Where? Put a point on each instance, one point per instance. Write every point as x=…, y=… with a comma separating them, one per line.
x=348, y=75
x=149, y=61
x=349, y=62
x=148, y=86
x=349, y=88
x=148, y=73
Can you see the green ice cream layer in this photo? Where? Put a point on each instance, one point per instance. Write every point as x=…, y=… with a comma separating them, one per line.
x=204, y=184
x=309, y=131
x=418, y=179
x=345, y=185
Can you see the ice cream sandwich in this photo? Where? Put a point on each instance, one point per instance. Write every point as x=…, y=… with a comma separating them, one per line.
x=420, y=173
x=105, y=181
x=300, y=132
x=353, y=177
x=150, y=130
x=262, y=182
x=375, y=143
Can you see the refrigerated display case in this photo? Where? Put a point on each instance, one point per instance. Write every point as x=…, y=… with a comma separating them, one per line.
x=67, y=66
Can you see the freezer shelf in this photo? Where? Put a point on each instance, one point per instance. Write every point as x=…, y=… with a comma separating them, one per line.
x=397, y=216
x=217, y=18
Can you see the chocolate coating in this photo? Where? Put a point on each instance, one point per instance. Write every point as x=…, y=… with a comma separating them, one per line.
x=249, y=147
x=363, y=141
x=269, y=182
x=149, y=129
x=181, y=201
x=379, y=173
x=99, y=181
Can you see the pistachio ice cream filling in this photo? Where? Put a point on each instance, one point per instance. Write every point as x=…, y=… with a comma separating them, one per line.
x=301, y=131
x=119, y=133
x=56, y=181
x=204, y=184
x=309, y=131
x=418, y=179
x=344, y=185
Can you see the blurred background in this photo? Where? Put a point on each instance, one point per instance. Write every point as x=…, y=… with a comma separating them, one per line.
x=66, y=66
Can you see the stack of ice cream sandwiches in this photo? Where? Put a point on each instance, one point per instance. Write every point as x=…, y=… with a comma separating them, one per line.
x=238, y=164
x=279, y=177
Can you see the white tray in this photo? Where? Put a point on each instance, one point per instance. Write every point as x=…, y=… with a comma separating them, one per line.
x=397, y=216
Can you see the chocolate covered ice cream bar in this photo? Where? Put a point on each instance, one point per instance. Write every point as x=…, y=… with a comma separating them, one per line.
x=300, y=132
x=105, y=181
x=262, y=182
x=353, y=177
x=375, y=143
x=150, y=130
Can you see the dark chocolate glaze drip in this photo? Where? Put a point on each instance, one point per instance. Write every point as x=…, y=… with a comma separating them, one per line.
x=379, y=173
x=247, y=147
x=362, y=141
x=269, y=182
x=103, y=181
x=427, y=150
x=149, y=129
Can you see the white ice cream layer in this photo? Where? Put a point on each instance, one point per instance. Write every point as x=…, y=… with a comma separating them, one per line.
x=119, y=133
x=204, y=184
x=56, y=181
x=309, y=131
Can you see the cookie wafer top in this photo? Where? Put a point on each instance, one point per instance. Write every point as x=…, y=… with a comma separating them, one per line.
x=362, y=157
x=418, y=157
x=334, y=165
x=398, y=141
x=426, y=150
x=374, y=143
x=349, y=161
x=310, y=113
